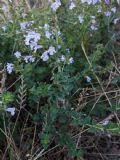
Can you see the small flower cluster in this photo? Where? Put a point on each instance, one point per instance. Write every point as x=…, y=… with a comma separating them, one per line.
x=116, y=20
x=63, y=59
x=88, y=79
x=55, y=5
x=31, y=39
x=17, y=54
x=10, y=67
x=90, y=1
x=81, y=18
x=72, y=5
x=24, y=25
x=5, y=8
x=51, y=51
x=106, y=11
x=48, y=34
x=93, y=23
x=11, y=110
x=27, y=59
x=107, y=2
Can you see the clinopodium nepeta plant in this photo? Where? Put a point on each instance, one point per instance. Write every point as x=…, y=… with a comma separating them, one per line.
x=65, y=52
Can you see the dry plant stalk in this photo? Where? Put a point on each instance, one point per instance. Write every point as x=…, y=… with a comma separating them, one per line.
x=81, y=98
x=2, y=79
x=2, y=83
x=22, y=94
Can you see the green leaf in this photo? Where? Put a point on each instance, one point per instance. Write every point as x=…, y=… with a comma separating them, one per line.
x=7, y=97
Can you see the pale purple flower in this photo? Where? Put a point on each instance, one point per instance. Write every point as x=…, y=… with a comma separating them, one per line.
x=93, y=27
x=59, y=33
x=34, y=46
x=55, y=5
x=45, y=56
x=90, y=1
x=88, y=79
x=106, y=122
x=18, y=32
x=5, y=8
x=107, y=14
x=93, y=17
x=32, y=36
x=68, y=50
x=81, y=18
x=51, y=50
x=17, y=54
x=113, y=9
x=46, y=26
x=99, y=9
x=48, y=34
x=107, y=1
x=32, y=39
x=62, y=58
x=4, y=28
x=11, y=110
x=24, y=25
x=72, y=5
x=71, y=60
x=118, y=1
x=116, y=20
x=10, y=67
x=95, y=1
x=59, y=46
x=29, y=59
